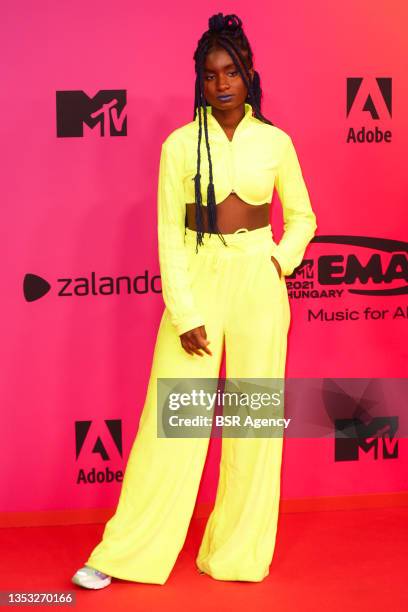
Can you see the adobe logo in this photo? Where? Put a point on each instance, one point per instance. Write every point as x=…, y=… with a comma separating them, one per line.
x=369, y=99
x=91, y=439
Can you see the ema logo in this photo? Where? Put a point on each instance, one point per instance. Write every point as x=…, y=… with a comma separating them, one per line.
x=364, y=266
x=104, y=113
x=375, y=437
x=370, y=98
x=96, y=443
x=35, y=287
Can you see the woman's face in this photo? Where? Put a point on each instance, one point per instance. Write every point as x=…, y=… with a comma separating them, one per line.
x=222, y=78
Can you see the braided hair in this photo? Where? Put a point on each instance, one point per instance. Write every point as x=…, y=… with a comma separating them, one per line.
x=226, y=32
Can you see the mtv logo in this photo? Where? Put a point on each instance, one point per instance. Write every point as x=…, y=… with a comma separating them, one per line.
x=103, y=114
x=304, y=270
x=375, y=437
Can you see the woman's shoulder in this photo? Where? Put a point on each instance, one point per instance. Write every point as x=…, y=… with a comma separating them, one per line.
x=180, y=134
x=271, y=131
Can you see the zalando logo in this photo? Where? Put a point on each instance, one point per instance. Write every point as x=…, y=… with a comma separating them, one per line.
x=36, y=287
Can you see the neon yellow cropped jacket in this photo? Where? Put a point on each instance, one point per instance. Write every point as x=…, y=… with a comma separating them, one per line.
x=259, y=158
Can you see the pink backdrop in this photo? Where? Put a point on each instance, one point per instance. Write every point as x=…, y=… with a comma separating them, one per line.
x=76, y=206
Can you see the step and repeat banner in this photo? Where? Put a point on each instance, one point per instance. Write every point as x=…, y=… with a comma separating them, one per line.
x=88, y=95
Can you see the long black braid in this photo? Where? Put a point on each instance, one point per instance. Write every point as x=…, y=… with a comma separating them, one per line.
x=226, y=32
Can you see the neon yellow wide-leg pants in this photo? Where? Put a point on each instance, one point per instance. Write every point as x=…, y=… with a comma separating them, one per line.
x=245, y=306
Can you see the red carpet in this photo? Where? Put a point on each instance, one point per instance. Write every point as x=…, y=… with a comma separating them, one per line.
x=324, y=561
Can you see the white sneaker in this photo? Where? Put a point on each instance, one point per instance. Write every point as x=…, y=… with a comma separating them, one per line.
x=91, y=578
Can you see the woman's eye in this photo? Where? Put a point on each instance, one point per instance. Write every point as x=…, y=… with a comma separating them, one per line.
x=210, y=77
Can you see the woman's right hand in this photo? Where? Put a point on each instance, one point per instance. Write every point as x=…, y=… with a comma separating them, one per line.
x=194, y=340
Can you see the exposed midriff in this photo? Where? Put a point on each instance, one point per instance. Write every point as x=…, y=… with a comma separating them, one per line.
x=232, y=214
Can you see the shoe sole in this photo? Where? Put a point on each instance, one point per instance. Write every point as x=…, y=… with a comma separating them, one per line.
x=101, y=584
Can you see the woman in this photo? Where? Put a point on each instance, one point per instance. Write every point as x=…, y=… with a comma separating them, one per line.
x=217, y=289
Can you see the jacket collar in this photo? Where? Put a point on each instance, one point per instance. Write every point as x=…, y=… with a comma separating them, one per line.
x=215, y=126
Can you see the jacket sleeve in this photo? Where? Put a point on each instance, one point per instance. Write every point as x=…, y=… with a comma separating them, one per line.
x=299, y=220
x=176, y=289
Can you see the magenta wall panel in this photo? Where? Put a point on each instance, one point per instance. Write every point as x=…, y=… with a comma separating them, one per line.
x=89, y=92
